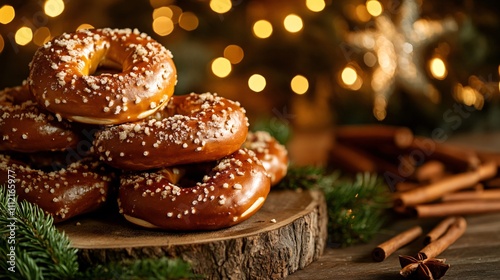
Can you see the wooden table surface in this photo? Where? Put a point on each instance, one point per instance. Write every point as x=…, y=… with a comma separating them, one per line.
x=476, y=255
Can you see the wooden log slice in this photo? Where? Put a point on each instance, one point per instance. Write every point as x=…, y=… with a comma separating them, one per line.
x=286, y=234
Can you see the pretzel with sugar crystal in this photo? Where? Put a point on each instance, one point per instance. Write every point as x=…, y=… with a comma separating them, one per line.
x=24, y=127
x=192, y=128
x=233, y=189
x=270, y=152
x=80, y=187
x=62, y=76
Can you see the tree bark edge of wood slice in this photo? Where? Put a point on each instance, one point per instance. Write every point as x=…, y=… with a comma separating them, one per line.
x=285, y=235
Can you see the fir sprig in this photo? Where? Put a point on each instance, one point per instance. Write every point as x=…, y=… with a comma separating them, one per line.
x=356, y=206
x=40, y=251
x=158, y=269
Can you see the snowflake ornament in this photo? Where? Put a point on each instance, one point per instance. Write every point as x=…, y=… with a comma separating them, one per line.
x=399, y=47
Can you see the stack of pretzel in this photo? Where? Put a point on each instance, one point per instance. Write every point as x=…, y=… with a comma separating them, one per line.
x=180, y=162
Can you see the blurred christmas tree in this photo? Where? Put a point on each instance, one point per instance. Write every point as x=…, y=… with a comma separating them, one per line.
x=302, y=63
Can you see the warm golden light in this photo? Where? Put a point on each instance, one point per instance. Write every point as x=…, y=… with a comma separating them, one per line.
x=2, y=43
x=221, y=67
x=349, y=76
x=438, y=68
x=350, y=79
x=315, y=5
x=23, y=36
x=374, y=8
x=162, y=12
x=163, y=26
x=160, y=3
x=369, y=59
x=188, y=21
x=221, y=6
x=293, y=23
x=53, y=8
x=176, y=13
x=262, y=29
x=85, y=26
x=361, y=13
x=257, y=82
x=299, y=84
x=7, y=14
x=41, y=36
x=469, y=96
x=234, y=54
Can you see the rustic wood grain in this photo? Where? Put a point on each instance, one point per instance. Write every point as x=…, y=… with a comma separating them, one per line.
x=258, y=248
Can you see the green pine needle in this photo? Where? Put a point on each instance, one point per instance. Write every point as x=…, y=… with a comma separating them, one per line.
x=41, y=251
x=159, y=269
x=356, y=206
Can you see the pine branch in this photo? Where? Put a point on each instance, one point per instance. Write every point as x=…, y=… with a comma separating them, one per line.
x=41, y=251
x=159, y=269
x=356, y=206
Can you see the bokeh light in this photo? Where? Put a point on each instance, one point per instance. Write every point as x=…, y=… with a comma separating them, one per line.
x=299, y=84
x=163, y=26
x=262, y=29
x=374, y=8
x=234, y=54
x=188, y=21
x=41, y=36
x=221, y=6
x=85, y=26
x=7, y=14
x=162, y=12
x=293, y=23
x=438, y=68
x=257, y=83
x=160, y=3
x=349, y=76
x=53, y=8
x=350, y=79
x=315, y=5
x=23, y=36
x=221, y=67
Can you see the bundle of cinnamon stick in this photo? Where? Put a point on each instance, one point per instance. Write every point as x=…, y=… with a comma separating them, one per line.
x=428, y=176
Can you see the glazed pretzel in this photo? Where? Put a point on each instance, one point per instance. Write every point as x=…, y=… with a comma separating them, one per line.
x=232, y=190
x=61, y=76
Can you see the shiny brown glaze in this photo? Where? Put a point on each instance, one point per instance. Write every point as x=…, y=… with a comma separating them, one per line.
x=61, y=76
x=234, y=189
x=270, y=152
x=24, y=127
x=79, y=188
x=192, y=128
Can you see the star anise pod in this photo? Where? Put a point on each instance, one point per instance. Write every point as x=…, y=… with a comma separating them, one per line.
x=422, y=268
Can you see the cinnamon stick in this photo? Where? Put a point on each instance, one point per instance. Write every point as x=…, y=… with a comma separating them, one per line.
x=352, y=159
x=493, y=183
x=458, y=158
x=493, y=194
x=454, y=232
x=444, y=209
x=439, y=230
x=429, y=171
x=382, y=251
x=449, y=184
x=489, y=156
x=406, y=186
x=370, y=135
